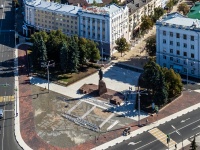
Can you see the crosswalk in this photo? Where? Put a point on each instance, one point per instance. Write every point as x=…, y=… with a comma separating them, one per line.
x=7, y=98
x=162, y=137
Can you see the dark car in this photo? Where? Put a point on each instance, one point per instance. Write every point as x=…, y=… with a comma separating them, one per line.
x=1, y=113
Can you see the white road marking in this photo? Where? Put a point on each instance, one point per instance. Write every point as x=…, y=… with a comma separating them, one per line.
x=182, y=121
x=112, y=125
x=88, y=112
x=196, y=127
x=169, y=133
x=104, y=122
x=132, y=143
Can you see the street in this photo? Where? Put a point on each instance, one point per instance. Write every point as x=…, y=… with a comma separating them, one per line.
x=156, y=138
x=7, y=44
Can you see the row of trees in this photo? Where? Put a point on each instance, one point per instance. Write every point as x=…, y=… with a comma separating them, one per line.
x=161, y=83
x=67, y=52
x=148, y=21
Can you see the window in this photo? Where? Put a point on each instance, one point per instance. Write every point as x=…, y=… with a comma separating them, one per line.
x=164, y=41
x=192, y=38
x=164, y=64
x=192, y=71
x=192, y=55
x=171, y=50
x=171, y=34
x=171, y=42
x=177, y=43
x=184, y=36
x=178, y=52
x=164, y=50
x=171, y=58
x=192, y=46
x=184, y=69
x=164, y=57
x=185, y=45
x=184, y=53
x=177, y=35
x=164, y=32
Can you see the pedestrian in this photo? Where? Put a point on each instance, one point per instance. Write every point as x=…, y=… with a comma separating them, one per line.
x=175, y=146
x=147, y=121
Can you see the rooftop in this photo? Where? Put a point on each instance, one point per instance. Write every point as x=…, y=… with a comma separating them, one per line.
x=179, y=20
x=195, y=11
x=53, y=6
x=134, y=5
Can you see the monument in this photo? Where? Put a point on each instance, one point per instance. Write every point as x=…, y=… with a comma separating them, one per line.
x=102, y=85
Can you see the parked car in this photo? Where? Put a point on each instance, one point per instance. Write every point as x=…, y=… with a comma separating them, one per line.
x=1, y=113
x=1, y=6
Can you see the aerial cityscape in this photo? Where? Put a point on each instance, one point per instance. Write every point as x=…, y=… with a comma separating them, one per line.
x=100, y=75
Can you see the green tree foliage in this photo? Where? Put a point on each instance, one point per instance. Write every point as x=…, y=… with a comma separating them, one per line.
x=158, y=12
x=115, y=1
x=122, y=45
x=170, y=4
x=39, y=50
x=193, y=145
x=151, y=45
x=53, y=44
x=74, y=54
x=183, y=7
x=64, y=57
x=146, y=24
x=174, y=82
x=83, y=51
x=92, y=51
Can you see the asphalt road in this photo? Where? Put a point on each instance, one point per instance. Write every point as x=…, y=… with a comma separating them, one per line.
x=7, y=43
x=187, y=125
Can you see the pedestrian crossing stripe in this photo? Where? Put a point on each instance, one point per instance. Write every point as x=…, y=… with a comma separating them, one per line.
x=162, y=137
x=7, y=98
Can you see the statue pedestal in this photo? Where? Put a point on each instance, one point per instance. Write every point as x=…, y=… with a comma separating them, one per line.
x=102, y=87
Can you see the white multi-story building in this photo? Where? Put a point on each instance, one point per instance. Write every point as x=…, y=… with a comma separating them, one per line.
x=104, y=25
x=101, y=24
x=178, y=44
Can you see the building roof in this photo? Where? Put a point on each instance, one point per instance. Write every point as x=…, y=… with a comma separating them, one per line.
x=87, y=3
x=195, y=11
x=134, y=5
x=179, y=20
x=53, y=6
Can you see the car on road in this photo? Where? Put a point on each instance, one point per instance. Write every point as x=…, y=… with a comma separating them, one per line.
x=127, y=131
x=1, y=6
x=1, y=113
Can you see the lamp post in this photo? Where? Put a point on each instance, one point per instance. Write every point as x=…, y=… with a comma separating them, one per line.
x=101, y=52
x=139, y=94
x=187, y=72
x=47, y=65
x=178, y=134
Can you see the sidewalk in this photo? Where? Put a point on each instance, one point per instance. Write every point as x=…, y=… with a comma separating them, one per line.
x=26, y=114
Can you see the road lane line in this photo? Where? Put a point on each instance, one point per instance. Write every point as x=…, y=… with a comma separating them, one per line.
x=169, y=133
x=182, y=121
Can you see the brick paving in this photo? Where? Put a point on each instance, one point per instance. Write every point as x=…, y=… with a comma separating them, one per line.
x=27, y=126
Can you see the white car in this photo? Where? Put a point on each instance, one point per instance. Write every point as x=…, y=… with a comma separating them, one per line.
x=1, y=6
x=1, y=113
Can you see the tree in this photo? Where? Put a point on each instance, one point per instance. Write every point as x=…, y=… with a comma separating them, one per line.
x=115, y=1
x=83, y=52
x=146, y=24
x=151, y=45
x=153, y=79
x=193, y=145
x=170, y=4
x=53, y=44
x=183, y=7
x=92, y=51
x=122, y=45
x=74, y=55
x=173, y=81
x=64, y=51
x=158, y=12
x=42, y=50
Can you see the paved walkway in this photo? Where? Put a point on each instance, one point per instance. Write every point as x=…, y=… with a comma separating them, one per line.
x=27, y=127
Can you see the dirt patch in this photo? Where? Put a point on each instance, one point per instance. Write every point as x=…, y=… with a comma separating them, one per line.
x=100, y=112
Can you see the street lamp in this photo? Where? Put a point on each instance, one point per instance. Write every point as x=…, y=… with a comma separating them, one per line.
x=139, y=94
x=47, y=65
x=178, y=134
x=187, y=72
x=101, y=52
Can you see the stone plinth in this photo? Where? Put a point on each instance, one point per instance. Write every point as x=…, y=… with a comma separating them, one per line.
x=102, y=87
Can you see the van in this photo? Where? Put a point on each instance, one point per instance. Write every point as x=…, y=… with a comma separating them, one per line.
x=1, y=113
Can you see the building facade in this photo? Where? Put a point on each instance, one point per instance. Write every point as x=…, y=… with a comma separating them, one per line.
x=101, y=24
x=178, y=44
x=137, y=9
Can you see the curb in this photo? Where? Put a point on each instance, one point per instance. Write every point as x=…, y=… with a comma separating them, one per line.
x=17, y=132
